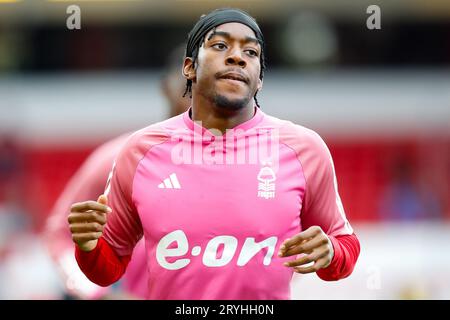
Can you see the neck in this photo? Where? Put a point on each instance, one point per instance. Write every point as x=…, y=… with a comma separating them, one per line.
x=213, y=117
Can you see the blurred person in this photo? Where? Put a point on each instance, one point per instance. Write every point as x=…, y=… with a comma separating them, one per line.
x=212, y=229
x=20, y=245
x=87, y=183
x=11, y=168
x=403, y=200
x=14, y=220
x=10, y=160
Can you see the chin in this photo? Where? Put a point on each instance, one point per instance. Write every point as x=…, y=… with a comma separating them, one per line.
x=231, y=102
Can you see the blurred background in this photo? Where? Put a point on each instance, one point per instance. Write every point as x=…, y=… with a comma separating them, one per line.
x=380, y=99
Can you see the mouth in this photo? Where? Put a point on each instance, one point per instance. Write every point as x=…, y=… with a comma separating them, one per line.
x=234, y=77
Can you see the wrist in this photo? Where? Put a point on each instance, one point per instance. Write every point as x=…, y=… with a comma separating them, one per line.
x=332, y=252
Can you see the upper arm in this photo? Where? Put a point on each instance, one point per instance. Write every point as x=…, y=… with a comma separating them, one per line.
x=322, y=204
x=123, y=228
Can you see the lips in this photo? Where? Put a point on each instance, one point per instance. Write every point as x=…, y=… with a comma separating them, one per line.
x=234, y=76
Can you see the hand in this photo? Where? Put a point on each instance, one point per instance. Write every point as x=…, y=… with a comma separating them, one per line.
x=87, y=220
x=315, y=244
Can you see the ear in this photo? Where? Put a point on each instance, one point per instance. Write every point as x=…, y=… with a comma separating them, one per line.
x=259, y=84
x=189, y=69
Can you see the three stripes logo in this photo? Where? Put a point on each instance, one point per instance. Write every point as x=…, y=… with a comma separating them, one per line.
x=170, y=183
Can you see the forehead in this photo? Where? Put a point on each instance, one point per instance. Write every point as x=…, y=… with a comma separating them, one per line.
x=235, y=29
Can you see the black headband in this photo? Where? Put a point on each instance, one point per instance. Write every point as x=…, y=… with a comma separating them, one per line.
x=216, y=18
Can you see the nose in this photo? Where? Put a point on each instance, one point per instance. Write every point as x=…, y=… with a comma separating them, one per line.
x=235, y=58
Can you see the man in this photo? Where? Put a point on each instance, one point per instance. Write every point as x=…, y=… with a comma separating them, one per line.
x=213, y=217
x=87, y=183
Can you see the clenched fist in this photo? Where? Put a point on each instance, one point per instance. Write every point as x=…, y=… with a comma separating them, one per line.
x=316, y=246
x=87, y=220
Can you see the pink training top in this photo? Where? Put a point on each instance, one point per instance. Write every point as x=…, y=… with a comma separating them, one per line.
x=214, y=210
x=87, y=184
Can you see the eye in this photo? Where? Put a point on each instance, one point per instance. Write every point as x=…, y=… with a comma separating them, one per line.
x=220, y=46
x=252, y=52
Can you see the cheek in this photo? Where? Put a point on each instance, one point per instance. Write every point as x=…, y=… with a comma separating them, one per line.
x=205, y=66
x=205, y=75
x=203, y=80
x=202, y=73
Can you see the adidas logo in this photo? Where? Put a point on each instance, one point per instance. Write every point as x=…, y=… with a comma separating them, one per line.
x=170, y=183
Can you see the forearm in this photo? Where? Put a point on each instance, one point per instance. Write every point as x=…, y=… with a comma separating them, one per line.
x=346, y=252
x=101, y=265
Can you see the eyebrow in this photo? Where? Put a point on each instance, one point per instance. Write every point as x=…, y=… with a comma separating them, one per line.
x=228, y=36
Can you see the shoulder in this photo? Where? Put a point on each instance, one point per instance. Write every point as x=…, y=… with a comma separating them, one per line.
x=299, y=138
x=138, y=143
x=107, y=152
x=142, y=140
